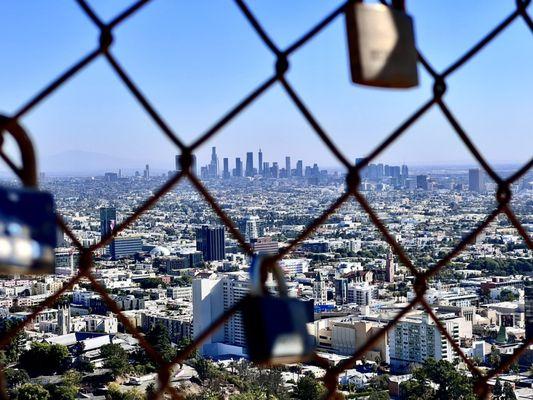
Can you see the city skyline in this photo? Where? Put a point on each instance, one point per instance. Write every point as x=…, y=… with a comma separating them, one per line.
x=194, y=195
x=99, y=109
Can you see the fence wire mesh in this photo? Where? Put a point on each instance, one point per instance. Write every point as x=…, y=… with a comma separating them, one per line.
x=503, y=193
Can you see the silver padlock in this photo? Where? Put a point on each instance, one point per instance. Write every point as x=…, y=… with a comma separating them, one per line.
x=275, y=326
x=381, y=45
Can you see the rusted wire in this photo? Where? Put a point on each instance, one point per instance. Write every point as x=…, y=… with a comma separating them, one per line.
x=28, y=175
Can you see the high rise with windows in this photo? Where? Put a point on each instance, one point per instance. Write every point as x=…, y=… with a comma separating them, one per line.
x=249, y=171
x=414, y=339
x=108, y=220
x=237, y=172
x=251, y=228
x=474, y=180
x=211, y=242
x=211, y=298
x=225, y=171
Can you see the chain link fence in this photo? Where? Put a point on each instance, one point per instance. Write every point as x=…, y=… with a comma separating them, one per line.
x=282, y=57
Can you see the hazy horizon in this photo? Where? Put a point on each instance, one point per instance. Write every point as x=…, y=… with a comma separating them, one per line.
x=193, y=73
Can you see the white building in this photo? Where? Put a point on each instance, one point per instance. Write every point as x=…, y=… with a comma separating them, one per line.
x=66, y=261
x=361, y=294
x=293, y=266
x=251, y=230
x=416, y=338
x=101, y=323
x=211, y=298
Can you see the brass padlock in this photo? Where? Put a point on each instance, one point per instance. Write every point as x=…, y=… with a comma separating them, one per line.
x=381, y=45
x=28, y=233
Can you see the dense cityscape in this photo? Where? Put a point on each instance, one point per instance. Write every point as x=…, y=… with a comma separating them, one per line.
x=177, y=268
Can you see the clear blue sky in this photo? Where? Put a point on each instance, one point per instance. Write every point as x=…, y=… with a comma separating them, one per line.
x=195, y=59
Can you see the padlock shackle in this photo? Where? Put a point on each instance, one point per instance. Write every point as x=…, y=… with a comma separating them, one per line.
x=257, y=285
x=398, y=5
x=28, y=173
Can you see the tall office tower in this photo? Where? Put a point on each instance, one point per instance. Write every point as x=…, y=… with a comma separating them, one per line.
x=422, y=182
x=251, y=228
x=119, y=173
x=63, y=320
x=389, y=267
x=146, y=172
x=108, y=220
x=474, y=180
x=379, y=171
x=395, y=171
x=341, y=291
x=260, y=161
x=225, y=172
x=288, y=166
x=249, y=171
x=387, y=170
x=211, y=242
x=528, y=300
x=275, y=170
x=213, y=165
x=193, y=163
x=405, y=171
x=372, y=171
x=266, y=170
x=299, y=168
x=364, y=172
x=238, y=167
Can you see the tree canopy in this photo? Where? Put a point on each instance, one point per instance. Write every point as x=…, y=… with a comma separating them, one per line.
x=438, y=380
x=45, y=359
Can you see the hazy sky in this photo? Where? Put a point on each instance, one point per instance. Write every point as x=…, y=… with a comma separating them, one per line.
x=196, y=59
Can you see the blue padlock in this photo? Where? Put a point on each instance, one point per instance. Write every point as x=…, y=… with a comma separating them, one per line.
x=28, y=232
x=275, y=326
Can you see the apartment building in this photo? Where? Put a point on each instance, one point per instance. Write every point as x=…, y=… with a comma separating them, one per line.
x=416, y=338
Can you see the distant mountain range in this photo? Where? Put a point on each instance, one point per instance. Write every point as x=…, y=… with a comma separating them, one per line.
x=84, y=163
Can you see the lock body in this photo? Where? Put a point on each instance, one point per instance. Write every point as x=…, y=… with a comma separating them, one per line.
x=28, y=233
x=276, y=330
x=381, y=46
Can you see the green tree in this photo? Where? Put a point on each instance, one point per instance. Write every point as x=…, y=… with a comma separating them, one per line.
x=497, y=391
x=204, y=367
x=508, y=392
x=115, y=358
x=30, y=391
x=15, y=377
x=494, y=357
x=16, y=345
x=45, y=359
x=508, y=295
x=68, y=388
x=152, y=283
x=159, y=338
x=82, y=365
x=309, y=388
x=449, y=382
x=379, y=395
x=114, y=393
x=379, y=382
